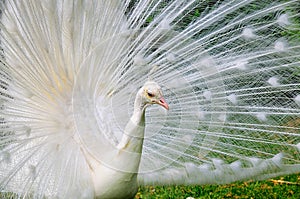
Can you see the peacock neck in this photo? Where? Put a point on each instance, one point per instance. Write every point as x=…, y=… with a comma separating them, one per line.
x=140, y=103
x=138, y=115
x=133, y=135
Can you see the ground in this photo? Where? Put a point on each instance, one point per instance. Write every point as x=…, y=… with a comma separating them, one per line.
x=287, y=187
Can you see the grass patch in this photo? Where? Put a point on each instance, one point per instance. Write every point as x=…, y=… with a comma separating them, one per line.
x=287, y=187
x=281, y=187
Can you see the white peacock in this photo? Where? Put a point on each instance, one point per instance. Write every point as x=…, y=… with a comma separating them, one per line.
x=76, y=77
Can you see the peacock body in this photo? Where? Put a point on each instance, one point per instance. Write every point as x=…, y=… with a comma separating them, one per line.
x=77, y=76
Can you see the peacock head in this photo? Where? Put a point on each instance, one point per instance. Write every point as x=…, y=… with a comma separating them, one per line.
x=152, y=94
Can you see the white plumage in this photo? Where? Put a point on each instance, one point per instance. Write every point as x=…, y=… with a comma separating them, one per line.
x=76, y=77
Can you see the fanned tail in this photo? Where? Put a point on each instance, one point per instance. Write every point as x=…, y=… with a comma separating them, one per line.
x=233, y=82
x=70, y=71
x=45, y=46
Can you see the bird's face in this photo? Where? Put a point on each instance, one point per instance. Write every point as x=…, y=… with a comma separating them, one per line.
x=152, y=94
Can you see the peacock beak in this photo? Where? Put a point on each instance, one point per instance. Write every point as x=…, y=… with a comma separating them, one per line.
x=163, y=103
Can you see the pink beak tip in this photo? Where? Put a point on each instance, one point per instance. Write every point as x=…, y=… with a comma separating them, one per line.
x=163, y=103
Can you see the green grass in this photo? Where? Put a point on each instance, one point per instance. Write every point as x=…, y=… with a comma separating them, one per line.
x=282, y=187
x=287, y=187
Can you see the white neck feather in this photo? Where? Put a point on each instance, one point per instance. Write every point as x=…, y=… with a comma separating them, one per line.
x=113, y=183
x=132, y=139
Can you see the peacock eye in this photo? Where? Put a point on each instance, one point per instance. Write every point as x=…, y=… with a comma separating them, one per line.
x=150, y=94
